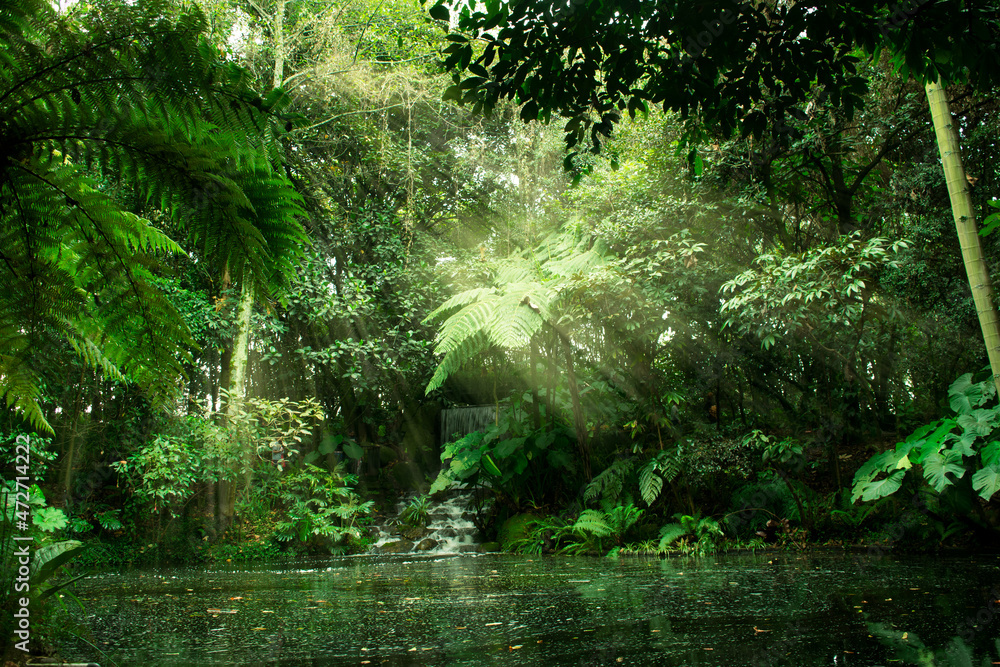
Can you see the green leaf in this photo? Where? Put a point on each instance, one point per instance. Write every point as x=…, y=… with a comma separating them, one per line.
x=440, y=12
x=963, y=395
x=507, y=447
x=937, y=466
x=671, y=533
x=980, y=422
x=594, y=522
x=990, y=453
x=987, y=481
x=487, y=464
x=49, y=519
x=650, y=483
x=881, y=488
x=353, y=450
x=50, y=558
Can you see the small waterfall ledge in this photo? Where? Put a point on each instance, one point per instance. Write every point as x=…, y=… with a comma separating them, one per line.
x=463, y=421
x=449, y=530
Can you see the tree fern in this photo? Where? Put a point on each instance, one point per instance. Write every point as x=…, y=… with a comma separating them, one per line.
x=139, y=99
x=526, y=294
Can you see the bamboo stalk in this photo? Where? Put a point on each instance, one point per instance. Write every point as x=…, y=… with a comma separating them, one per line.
x=965, y=223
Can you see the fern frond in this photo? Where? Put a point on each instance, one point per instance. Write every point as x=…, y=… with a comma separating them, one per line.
x=593, y=522
x=515, y=271
x=650, y=483
x=454, y=359
x=512, y=322
x=610, y=482
x=470, y=321
x=670, y=533
x=140, y=98
x=461, y=299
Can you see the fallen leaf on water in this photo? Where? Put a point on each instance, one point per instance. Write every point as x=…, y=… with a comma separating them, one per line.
x=260, y=628
x=489, y=624
x=239, y=598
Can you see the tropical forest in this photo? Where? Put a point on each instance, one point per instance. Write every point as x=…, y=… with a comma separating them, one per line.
x=480, y=332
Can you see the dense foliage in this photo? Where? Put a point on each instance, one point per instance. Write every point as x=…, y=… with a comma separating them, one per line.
x=251, y=250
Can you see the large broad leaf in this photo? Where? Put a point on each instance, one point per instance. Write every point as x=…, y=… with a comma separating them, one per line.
x=934, y=442
x=964, y=443
x=987, y=481
x=991, y=453
x=937, y=466
x=964, y=396
x=50, y=558
x=883, y=462
x=442, y=482
x=489, y=466
x=507, y=447
x=979, y=422
x=353, y=450
x=874, y=490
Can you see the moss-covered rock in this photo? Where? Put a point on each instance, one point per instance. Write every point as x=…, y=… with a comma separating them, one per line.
x=515, y=528
x=397, y=547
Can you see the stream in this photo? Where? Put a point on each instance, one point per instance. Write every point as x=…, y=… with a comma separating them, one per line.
x=500, y=609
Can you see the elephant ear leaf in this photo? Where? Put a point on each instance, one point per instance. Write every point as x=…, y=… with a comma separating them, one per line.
x=937, y=465
x=874, y=490
x=353, y=450
x=987, y=481
x=964, y=395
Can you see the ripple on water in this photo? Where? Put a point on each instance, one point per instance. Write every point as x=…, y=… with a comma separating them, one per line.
x=495, y=608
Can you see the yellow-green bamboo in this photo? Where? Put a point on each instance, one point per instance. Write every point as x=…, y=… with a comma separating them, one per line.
x=965, y=223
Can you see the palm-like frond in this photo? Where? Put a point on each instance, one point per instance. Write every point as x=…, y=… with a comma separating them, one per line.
x=140, y=99
x=528, y=293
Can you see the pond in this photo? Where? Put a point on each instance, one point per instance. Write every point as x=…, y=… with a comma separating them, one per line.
x=500, y=609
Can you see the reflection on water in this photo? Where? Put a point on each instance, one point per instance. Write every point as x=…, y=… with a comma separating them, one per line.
x=775, y=609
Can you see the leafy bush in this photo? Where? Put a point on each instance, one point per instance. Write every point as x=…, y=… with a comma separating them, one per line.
x=695, y=533
x=510, y=459
x=320, y=507
x=946, y=450
x=417, y=512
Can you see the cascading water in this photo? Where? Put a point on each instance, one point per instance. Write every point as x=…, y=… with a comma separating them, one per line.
x=449, y=529
x=463, y=421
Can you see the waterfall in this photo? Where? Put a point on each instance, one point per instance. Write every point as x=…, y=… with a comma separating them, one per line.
x=464, y=421
x=449, y=529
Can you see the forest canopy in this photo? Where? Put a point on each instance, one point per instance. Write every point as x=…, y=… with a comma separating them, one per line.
x=682, y=255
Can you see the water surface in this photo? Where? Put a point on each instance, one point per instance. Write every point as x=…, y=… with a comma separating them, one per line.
x=498, y=609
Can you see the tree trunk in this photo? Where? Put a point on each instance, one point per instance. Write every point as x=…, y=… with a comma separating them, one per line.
x=226, y=489
x=536, y=417
x=965, y=222
x=579, y=419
